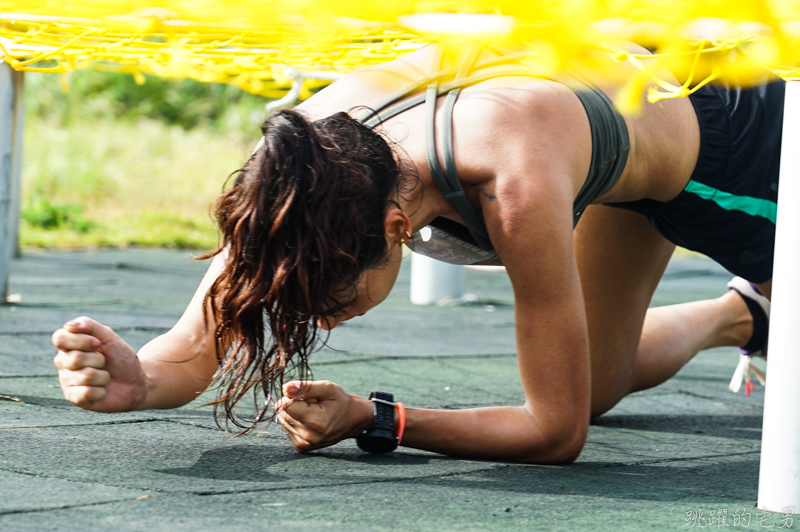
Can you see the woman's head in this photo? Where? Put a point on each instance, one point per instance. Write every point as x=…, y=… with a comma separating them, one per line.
x=301, y=223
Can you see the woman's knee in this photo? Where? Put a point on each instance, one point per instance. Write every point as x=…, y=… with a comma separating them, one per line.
x=608, y=393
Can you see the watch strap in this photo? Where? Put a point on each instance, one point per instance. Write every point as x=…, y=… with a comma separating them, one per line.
x=384, y=410
x=381, y=437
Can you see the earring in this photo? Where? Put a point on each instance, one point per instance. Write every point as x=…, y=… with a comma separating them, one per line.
x=408, y=234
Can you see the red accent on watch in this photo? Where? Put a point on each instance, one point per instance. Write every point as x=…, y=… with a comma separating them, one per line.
x=401, y=421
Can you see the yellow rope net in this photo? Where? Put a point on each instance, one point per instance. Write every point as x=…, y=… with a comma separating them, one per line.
x=265, y=46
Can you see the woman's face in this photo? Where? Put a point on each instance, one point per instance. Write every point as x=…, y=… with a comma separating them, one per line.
x=372, y=288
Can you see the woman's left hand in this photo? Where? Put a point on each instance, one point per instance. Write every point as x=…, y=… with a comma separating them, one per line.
x=317, y=414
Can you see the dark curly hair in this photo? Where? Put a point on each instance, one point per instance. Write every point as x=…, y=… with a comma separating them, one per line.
x=300, y=223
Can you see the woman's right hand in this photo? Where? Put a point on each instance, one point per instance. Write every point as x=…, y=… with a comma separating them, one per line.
x=97, y=370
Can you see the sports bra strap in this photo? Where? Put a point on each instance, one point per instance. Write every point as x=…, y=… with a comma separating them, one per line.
x=430, y=133
x=449, y=183
x=447, y=123
x=449, y=104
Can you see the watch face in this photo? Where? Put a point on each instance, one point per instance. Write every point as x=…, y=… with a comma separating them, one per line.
x=378, y=441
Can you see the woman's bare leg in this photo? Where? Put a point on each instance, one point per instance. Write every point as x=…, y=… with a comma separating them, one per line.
x=674, y=334
x=621, y=260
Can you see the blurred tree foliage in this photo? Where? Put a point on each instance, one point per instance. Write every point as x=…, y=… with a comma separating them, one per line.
x=109, y=162
x=88, y=94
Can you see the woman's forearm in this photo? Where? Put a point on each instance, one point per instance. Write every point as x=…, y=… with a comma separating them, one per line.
x=181, y=363
x=176, y=371
x=499, y=433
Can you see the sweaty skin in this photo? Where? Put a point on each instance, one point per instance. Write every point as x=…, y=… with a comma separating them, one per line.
x=523, y=150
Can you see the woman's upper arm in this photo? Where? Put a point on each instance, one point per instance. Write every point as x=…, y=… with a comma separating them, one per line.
x=530, y=224
x=193, y=321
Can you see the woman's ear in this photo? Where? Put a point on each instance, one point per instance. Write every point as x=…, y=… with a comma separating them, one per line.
x=397, y=226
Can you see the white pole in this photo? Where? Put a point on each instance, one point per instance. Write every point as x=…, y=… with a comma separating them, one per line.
x=7, y=108
x=433, y=281
x=779, y=479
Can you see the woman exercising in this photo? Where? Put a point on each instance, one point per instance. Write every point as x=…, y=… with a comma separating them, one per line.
x=581, y=204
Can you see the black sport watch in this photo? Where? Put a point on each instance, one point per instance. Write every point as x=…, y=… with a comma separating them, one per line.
x=381, y=437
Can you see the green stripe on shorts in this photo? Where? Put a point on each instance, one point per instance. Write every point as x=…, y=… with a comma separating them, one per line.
x=731, y=202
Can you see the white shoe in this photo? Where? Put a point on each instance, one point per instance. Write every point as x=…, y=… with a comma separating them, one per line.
x=759, y=307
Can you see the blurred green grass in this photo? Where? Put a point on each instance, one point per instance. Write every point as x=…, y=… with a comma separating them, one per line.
x=114, y=163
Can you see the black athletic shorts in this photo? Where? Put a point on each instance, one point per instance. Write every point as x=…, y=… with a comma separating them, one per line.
x=727, y=211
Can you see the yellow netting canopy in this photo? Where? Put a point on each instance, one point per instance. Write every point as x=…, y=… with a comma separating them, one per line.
x=263, y=46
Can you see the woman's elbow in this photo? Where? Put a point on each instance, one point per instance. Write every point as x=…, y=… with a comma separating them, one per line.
x=558, y=445
x=570, y=449
x=566, y=447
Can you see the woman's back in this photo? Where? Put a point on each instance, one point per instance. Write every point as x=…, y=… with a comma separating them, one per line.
x=664, y=137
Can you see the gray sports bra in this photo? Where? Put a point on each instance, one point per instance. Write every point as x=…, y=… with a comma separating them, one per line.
x=450, y=241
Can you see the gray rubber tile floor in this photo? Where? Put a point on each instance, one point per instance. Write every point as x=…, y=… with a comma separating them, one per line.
x=679, y=456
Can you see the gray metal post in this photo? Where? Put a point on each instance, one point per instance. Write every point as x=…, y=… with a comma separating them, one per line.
x=9, y=105
x=16, y=159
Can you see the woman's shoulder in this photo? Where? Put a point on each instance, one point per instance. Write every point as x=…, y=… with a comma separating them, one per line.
x=520, y=119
